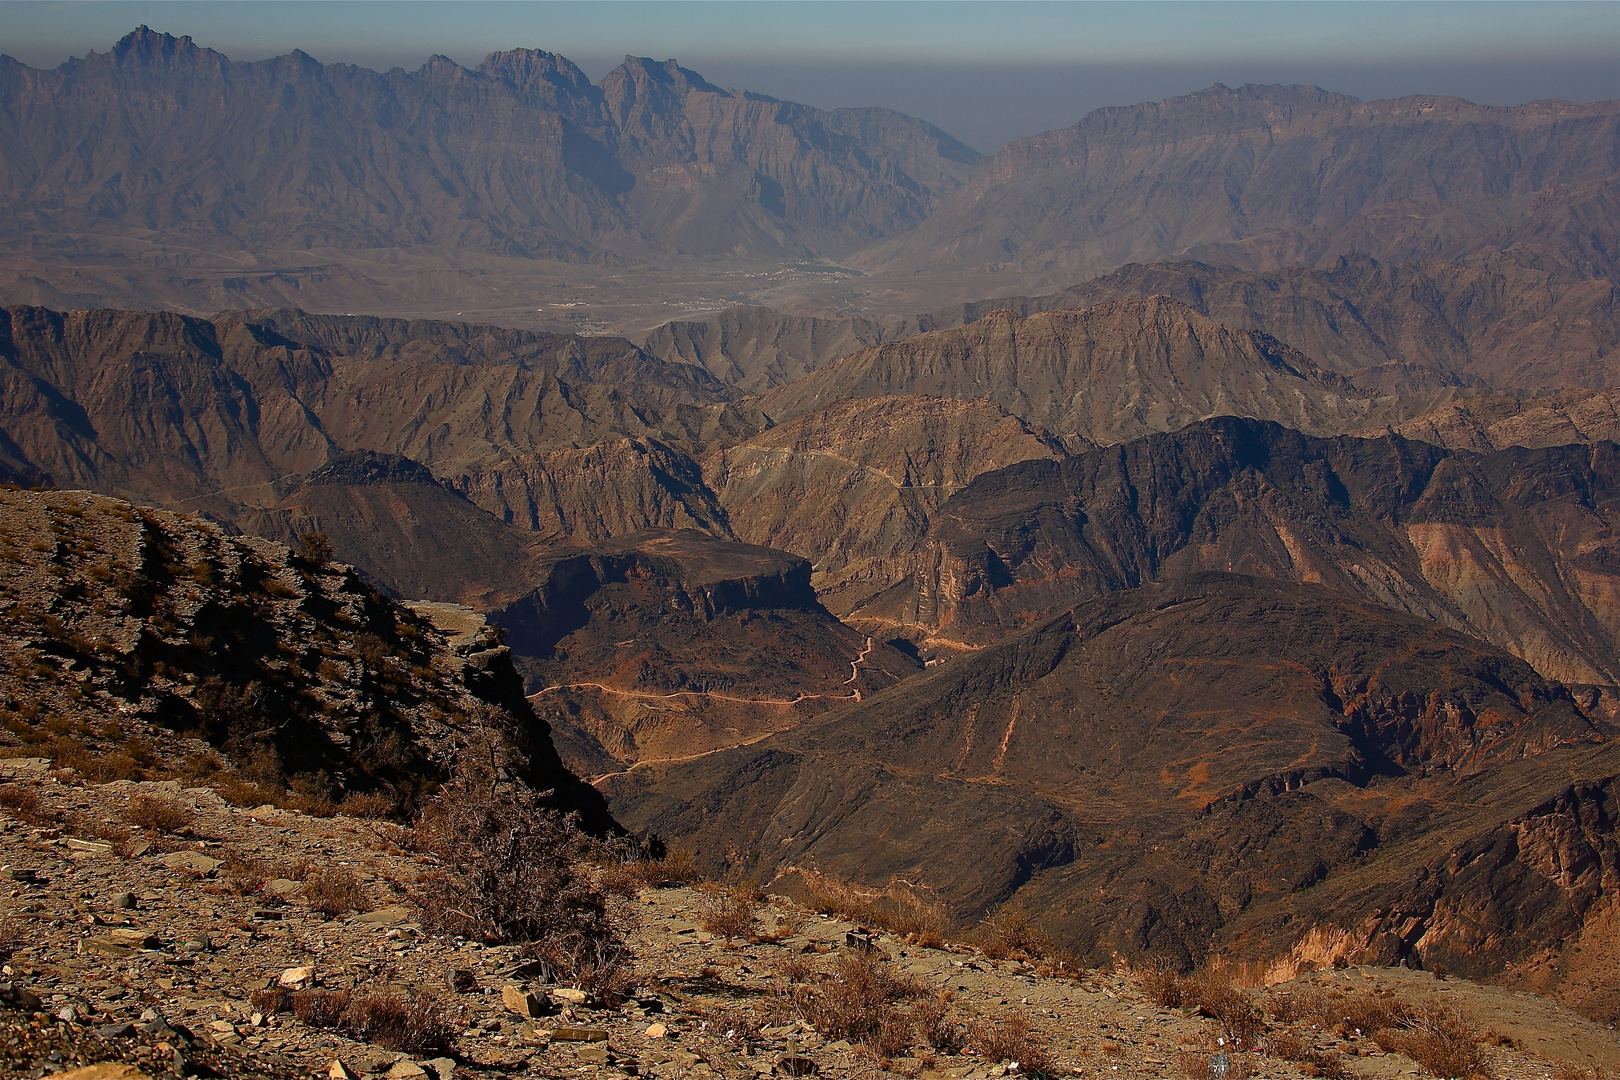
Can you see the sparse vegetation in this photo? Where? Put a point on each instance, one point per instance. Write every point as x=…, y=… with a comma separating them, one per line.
x=509, y=871
x=158, y=815
x=727, y=909
x=1009, y=1037
x=1442, y=1038
x=900, y=907
x=334, y=891
x=854, y=1003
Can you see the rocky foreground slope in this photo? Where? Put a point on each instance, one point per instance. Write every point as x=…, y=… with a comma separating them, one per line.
x=201, y=948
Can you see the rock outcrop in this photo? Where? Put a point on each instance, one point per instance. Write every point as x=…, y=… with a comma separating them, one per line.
x=144, y=636
x=1104, y=374
x=1514, y=547
x=671, y=644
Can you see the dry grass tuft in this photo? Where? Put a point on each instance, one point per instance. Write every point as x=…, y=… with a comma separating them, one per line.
x=935, y=1025
x=23, y=804
x=1441, y=1038
x=1010, y=1038
x=726, y=910
x=900, y=907
x=158, y=815
x=411, y=1025
x=1009, y=933
x=854, y=1002
x=334, y=891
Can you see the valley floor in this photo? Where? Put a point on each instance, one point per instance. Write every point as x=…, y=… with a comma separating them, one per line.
x=163, y=950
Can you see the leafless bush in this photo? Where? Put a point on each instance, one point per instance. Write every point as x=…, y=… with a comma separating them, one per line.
x=1010, y=1038
x=158, y=815
x=1441, y=1038
x=899, y=907
x=736, y=1024
x=320, y=1008
x=334, y=891
x=371, y=805
x=411, y=1025
x=727, y=910
x=275, y=999
x=893, y=1036
x=794, y=967
x=1210, y=993
x=1009, y=933
x=508, y=872
x=23, y=803
x=1294, y=1048
x=851, y=1005
x=936, y=1027
x=1201, y=1066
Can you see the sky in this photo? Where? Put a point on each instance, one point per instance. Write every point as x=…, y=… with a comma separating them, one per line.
x=985, y=72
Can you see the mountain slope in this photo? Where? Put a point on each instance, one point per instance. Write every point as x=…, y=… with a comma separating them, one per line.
x=1268, y=176
x=141, y=640
x=1515, y=547
x=1221, y=762
x=158, y=141
x=1105, y=374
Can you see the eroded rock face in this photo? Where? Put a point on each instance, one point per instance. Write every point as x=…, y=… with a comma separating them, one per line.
x=597, y=492
x=1514, y=547
x=669, y=644
x=1216, y=763
x=854, y=487
x=1105, y=374
x=519, y=157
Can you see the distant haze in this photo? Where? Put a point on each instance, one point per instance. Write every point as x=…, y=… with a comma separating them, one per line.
x=984, y=72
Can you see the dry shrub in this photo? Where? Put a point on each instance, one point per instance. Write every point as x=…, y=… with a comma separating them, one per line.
x=1211, y=994
x=23, y=804
x=676, y=868
x=1009, y=933
x=852, y=1004
x=900, y=907
x=158, y=815
x=334, y=891
x=795, y=968
x=738, y=1025
x=320, y=1008
x=410, y=1025
x=726, y=910
x=371, y=805
x=936, y=1027
x=508, y=872
x=1441, y=1038
x=1010, y=1038
x=893, y=1036
x=1365, y=1013
x=1304, y=1004
x=1294, y=1048
x=275, y=999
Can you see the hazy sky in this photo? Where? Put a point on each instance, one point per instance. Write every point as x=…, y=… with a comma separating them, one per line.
x=985, y=72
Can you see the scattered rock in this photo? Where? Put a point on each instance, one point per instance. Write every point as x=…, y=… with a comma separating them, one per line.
x=18, y=997
x=579, y=1034
x=124, y=901
x=193, y=861
x=656, y=1031
x=339, y=1071
x=387, y=916
x=405, y=1069
x=461, y=980
x=522, y=1002
x=296, y=978
x=570, y=995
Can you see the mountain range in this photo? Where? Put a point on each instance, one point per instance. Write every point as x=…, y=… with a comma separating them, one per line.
x=1194, y=530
